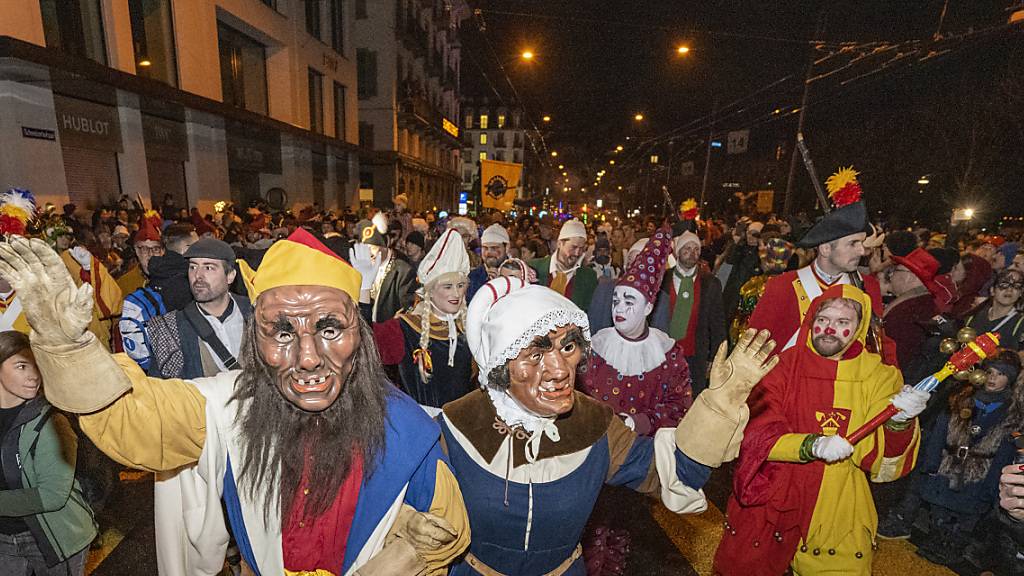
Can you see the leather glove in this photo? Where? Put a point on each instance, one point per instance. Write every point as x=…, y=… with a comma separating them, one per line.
x=413, y=532
x=832, y=449
x=732, y=378
x=711, y=431
x=360, y=258
x=58, y=311
x=911, y=403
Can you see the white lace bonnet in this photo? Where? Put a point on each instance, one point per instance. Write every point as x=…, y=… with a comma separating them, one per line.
x=506, y=315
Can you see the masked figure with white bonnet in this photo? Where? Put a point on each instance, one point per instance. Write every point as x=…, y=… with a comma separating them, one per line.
x=640, y=371
x=428, y=342
x=531, y=453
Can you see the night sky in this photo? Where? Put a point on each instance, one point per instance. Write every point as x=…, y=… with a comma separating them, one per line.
x=599, y=62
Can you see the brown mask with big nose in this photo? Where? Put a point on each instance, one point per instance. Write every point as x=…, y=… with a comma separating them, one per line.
x=308, y=335
x=543, y=376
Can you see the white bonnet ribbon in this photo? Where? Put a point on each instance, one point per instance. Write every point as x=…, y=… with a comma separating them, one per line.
x=547, y=428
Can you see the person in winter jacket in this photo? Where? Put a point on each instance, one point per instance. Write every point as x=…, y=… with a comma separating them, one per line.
x=46, y=524
x=963, y=454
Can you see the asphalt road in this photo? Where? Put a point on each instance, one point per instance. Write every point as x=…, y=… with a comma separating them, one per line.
x=660, y=543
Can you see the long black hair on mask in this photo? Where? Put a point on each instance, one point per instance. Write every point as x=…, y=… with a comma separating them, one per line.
x=276, y=435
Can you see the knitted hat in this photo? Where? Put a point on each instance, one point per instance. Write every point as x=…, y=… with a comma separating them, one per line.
x=647, y=270
x=416, y=237
x=300, y=259
x=686, y=238
x=1005, y=361
x=495, y=234
x=572, y=229
x=447, y=255
x=507, y=314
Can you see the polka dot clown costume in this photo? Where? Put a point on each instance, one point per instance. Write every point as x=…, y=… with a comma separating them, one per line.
x=640, y=371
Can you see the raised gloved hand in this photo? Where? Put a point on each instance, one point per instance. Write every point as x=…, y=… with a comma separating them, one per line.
x=360, y=258
x=712, y=429
x=413, y=534
x=732, y=378
x=832, y=449
x=911, y=403
x=58, y=311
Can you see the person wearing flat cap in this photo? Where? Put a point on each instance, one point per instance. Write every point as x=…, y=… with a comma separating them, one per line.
x=839, y=238
x=532, y=453
x=323, y=466
x=493, y=251
x=394, y=283
x=563, y=271
x=202, y=339
x=428, y=342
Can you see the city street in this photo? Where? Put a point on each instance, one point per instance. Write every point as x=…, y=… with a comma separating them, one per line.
x=662, y=543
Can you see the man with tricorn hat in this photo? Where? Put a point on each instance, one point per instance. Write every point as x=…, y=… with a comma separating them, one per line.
x=324, y=467
x=532, y=453
x=839, y=239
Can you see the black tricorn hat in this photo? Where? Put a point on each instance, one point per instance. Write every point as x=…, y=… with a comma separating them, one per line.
x=849, y=219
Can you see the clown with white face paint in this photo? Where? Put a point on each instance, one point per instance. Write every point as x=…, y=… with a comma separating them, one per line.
x=638, y=370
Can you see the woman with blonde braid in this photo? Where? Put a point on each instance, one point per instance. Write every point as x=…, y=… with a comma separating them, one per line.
x=428, y=342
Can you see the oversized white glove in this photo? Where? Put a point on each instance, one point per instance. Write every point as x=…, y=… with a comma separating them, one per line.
x=832, y=449
x=360, y=258
x=82, y=256
x=58, y=311
x=911, y=403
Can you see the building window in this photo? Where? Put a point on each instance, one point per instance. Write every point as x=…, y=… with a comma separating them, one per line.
x=153, y=40
x=338, y=26
x=339, y=111
x=313, y=20
x=467, y=175
x=483, y=138
x=243, y=70
x=499, y=156
x=361, y=9
x=483, y=155
x=316, y=101
x=74, y=27
x=469, y=121
x=366, y=73
x=366, y=135
x=501, y=120
x=483, y=121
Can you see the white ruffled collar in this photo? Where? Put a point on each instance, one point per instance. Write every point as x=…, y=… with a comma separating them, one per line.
x=632, y=357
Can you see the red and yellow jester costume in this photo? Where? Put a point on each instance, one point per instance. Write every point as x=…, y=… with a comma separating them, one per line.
x=813, y=517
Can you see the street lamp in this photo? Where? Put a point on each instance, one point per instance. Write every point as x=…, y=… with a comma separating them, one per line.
x=639, y=117
x=618, y=148
x=546, y=118
x=527, y=55
x=554, y=153
x=681, y=50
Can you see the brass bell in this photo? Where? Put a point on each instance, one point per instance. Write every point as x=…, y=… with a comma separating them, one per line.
x=948, y=346
x=962, y=375
x=978, y=377
x=966, y=334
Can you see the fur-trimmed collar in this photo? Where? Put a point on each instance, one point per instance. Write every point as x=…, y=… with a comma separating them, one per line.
x=476, y=419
